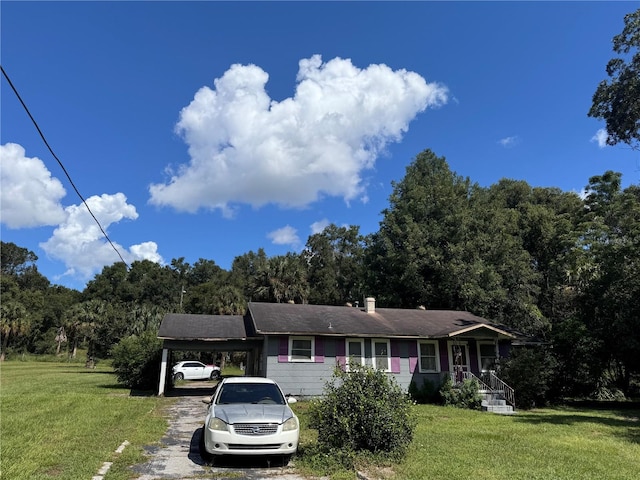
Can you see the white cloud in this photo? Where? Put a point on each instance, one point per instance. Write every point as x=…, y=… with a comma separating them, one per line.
x=79, y=243
x=509, y=142
x=145, y=251
x=247, y=148
x=319, y=226
x=600, y=137
x=29, y=196
x=285, y=236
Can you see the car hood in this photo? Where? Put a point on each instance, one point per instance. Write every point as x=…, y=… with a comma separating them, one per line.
x=250, y=413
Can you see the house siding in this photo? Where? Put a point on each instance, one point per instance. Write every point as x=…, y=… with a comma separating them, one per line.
x=307, y=379
x=302, y=379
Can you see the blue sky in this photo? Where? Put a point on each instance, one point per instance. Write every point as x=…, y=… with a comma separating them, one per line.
x=210, y=129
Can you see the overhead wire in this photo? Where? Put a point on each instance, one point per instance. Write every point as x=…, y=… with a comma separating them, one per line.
x=15, y=91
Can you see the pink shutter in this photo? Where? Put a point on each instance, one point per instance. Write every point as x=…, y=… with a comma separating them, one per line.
x=395, y=356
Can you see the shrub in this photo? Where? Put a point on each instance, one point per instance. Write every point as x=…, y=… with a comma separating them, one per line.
x=427, y=393
x=529, y=371
x=136, y=361
x=464, y=395
x=363, y=410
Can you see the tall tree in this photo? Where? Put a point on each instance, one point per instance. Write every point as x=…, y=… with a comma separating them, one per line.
x=215, y=299
x=334, y=262
x=283, y=280
x=81, y=323
x=611, y=289
x=14, y=259
x=110, y=284
x=617, y=101
x=14, y=321
x=246, y=272
x=407, y=260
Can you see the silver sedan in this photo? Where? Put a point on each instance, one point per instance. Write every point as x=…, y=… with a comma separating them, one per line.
x=249, y=416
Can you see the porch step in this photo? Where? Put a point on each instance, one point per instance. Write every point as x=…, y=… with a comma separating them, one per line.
x=495, y=403
x=500, y=409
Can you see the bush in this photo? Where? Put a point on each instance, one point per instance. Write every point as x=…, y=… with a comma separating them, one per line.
x=529, y=371
x=427, y=393
x=136, y=361
x=363, y=410
x=465, y=395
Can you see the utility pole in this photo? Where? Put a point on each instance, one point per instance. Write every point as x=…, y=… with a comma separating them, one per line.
x=182, y=292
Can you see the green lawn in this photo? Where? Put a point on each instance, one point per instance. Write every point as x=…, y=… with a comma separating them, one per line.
x=559, y=443
x=62, y=421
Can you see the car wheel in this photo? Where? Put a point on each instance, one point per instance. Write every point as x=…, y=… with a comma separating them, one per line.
x=215, y=375
x=207, y=458
x=178, y=376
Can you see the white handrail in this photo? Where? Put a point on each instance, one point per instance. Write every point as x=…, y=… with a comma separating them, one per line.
x=498, y=384
x=489, y=381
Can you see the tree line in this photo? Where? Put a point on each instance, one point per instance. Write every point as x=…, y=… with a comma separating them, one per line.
x=558, y=266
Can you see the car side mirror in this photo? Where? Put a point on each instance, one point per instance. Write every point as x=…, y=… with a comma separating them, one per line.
x=207, y=400
x=292, y=400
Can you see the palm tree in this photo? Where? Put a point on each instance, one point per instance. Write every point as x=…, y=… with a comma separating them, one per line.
x=14, y=321
x=284, y=279
x=145, y=317
x=81, y=322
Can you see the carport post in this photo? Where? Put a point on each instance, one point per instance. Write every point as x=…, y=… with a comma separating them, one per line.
x=163, y=371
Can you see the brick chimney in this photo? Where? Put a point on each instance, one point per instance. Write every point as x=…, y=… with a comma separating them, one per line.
x=370, y=305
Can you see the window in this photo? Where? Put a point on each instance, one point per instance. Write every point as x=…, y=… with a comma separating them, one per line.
x=487, y=357
x=355, y=351
x=381, y=355
x=429, y=356
x=301, y=349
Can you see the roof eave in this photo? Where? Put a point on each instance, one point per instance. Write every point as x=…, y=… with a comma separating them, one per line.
x=482, y=325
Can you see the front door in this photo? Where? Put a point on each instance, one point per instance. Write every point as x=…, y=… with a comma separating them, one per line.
x=459, y=358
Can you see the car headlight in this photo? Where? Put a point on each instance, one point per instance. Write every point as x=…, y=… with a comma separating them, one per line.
x=217, y=424
x=289, y=425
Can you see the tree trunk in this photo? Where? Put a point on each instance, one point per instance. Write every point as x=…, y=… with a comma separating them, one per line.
x=5, y=342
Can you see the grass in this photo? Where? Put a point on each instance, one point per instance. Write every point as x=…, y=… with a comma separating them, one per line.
x=62, y=421
x=545, y=444
x=558, y=443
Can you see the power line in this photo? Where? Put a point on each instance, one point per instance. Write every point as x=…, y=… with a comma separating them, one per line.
x=60, y=163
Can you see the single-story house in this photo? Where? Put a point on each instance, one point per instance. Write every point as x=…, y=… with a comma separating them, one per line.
x=299, y=345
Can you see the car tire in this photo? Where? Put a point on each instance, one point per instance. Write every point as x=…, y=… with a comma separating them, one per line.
x=178, y=376
x=207, y=458
x=215, y=375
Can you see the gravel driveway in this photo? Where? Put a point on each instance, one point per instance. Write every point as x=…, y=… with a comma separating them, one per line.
x=178, y=456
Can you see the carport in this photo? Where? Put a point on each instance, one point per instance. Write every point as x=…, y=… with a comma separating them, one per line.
x=207, y=333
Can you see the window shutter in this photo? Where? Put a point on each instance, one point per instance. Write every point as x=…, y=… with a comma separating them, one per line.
x=319, y=350
x=283, y=350
x=395, y=356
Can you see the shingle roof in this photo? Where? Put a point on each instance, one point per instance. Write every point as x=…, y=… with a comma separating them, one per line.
x=202, y=327
x=284, y=318
x=296, y=319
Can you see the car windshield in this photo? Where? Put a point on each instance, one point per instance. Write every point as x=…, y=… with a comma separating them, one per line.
x=265, y=393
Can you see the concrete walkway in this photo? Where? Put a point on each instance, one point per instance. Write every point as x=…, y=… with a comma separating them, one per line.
x=178, y=456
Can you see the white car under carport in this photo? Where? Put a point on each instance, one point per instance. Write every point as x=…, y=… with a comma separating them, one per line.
x=194, y=370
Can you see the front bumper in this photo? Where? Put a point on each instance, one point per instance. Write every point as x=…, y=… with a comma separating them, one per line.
x=230, y=443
